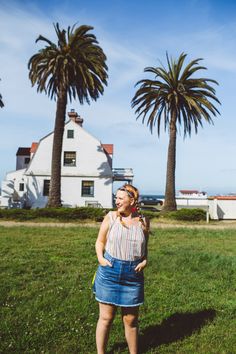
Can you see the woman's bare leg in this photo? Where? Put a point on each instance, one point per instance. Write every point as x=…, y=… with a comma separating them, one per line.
x=130, y=320
x=106, y=316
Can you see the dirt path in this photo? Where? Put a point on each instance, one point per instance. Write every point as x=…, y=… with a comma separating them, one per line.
x=220, y=225
x=47, y=224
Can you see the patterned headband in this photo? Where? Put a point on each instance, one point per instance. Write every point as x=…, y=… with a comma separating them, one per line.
x=130, y=194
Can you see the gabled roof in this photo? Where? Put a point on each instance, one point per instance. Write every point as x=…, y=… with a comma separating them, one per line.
x=108, y=148
x=189, y=191
x=23, y=151
x=223, y=197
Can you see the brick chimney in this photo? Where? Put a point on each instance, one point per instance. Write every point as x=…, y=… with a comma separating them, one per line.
x=75, y=117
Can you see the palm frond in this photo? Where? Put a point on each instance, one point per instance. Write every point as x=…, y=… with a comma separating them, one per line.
x=77, y=63
x=176, y=91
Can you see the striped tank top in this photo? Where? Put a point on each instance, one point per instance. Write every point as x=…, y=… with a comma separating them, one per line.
x=127, y=243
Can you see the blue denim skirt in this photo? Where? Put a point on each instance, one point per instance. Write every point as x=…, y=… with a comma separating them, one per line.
x=119, y=285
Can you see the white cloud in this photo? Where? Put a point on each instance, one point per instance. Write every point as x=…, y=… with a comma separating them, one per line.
x=215, y=44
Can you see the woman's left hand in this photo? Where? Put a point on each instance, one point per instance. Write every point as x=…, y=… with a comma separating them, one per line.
x=141, y=266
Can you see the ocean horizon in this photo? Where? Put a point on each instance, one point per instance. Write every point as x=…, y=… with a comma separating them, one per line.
x=212, y=193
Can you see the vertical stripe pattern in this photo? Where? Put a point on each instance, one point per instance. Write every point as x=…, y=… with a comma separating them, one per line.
x=126, y=243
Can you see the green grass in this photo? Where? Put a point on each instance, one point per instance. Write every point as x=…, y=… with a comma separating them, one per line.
x=47, y=305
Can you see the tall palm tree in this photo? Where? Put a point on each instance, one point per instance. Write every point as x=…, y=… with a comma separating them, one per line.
x=175, y=98
x=73, y=68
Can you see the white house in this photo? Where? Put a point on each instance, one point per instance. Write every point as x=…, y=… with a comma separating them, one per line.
x=191, y=193
x=191, y=198
x=87, y=174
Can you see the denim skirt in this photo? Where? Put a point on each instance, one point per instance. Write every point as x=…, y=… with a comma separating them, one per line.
x=120, y=284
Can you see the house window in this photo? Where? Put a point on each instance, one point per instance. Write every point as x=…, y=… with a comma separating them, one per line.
x=87, y=189
x=70, y=134
x=21, y=187
x=69, y=158
x=46, y=186
x=27, y=160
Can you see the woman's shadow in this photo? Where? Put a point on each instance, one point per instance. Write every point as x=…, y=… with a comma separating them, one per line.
x=172, y=329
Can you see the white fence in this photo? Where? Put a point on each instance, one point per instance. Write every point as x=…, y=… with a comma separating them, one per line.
x=222, y=208
x=217, y=208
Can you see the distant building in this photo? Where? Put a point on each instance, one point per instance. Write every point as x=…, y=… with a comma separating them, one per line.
x=87, y=174
x=191, y=193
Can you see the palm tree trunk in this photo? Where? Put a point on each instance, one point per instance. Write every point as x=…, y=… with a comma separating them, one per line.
x=1, y=101
x=170, y=202
x=54, y=199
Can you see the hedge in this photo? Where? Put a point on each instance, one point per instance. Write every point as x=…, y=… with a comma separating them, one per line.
x=94, y=214
x=186, y=215
x=62, y=214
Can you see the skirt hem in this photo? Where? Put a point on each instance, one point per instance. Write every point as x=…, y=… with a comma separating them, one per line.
x=112, y=303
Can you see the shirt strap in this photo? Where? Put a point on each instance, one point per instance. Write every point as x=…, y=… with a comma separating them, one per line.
x=112, y=218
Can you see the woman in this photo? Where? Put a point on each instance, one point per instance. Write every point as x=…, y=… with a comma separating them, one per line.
x=121, y=249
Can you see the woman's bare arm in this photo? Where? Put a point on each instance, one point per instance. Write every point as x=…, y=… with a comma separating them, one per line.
x=146, y=230
x=101, y=242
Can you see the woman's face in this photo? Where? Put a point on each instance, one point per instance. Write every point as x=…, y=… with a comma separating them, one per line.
x=124, y=203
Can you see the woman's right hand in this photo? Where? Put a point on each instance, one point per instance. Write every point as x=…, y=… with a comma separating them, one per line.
x=104, y=262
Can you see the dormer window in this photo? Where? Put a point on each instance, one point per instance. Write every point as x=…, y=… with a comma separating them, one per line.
x=69, y=158
x=70, y=134
x=27, y=160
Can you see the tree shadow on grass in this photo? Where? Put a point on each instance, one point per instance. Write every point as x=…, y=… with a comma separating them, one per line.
x=172, y=329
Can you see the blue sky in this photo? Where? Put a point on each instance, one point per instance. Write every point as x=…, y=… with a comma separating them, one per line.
x=134, y=35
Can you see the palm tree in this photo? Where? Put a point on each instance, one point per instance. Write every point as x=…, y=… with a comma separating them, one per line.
x=73, y=68
x=175, y=98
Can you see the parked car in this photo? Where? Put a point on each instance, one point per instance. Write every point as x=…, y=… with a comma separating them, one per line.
x=150, y=202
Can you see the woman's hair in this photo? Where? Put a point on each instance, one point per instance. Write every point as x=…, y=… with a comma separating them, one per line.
x=132, y=192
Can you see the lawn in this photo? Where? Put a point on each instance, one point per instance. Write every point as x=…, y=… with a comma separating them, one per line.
x=47, y=305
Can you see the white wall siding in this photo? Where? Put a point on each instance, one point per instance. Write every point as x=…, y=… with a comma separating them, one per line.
x=41, y=161
x=72, y=189
x=90, y=157
x=11, y=187
x=222, y=209
x=7, y=188
x=193, y=202
x=20, y=162
x=35, y=196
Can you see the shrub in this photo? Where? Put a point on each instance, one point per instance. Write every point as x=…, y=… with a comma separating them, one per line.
x=150, y=214
x=94, y=214
x=186, y=215
x=61, y=214
x=17, y=214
